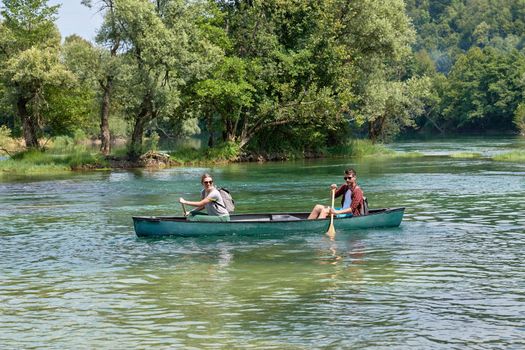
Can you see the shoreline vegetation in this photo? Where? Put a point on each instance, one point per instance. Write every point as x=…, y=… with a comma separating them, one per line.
x=65, y=154
x=261, y=81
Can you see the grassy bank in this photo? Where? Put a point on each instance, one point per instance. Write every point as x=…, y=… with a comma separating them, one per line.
x=365, y=148
x=43, y=162
x=62, y=155
x=514, y=156
x=468, y=155
x=221, y=154
x=65, y=154
x=230, y=152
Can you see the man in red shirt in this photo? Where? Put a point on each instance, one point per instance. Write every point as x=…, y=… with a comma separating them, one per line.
x=351, y=203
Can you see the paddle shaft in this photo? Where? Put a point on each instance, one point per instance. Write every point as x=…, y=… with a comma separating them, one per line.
x=184, y=209
x=331, y=228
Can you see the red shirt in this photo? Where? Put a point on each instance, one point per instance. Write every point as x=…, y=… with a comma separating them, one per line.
x=357, y=198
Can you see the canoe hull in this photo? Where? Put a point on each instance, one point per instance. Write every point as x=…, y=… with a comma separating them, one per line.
x=262, y=224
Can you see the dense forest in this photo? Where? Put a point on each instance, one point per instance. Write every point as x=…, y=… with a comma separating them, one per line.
x=264, y=74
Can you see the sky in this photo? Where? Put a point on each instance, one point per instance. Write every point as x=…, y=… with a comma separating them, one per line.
x=74, y=18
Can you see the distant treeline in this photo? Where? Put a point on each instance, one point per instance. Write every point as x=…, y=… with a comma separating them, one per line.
x=264, y=75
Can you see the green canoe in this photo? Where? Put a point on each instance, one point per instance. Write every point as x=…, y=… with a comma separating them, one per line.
x=260, y=224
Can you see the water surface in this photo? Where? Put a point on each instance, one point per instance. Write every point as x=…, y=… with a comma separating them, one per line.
x=74, y=275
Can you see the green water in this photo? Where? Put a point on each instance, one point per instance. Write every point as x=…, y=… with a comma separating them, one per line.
x=73, y=275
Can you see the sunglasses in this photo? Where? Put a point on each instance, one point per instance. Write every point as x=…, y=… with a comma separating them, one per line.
x=208, y=182
x=348, y=178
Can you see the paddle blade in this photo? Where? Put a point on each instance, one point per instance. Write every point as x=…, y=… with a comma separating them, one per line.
x=331, y=230
x=184, y=210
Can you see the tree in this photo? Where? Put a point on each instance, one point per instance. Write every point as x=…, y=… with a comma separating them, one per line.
x=81, y=102
x=155, y=56
x=30, y=50
x=107, y=65
x=519, y=118
x=485, y=89
x=391, y=106
x=300, y=63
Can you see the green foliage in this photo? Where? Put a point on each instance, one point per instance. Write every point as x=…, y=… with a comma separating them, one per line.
x=390, y=106
x=17, y=167
x=296, y=66
x=63, y=155
x=222, y=152
x=31, y=66
x=119, y=126
x=365, y=148
x=515, y=156
x=280, y=77
x=152, y=142
x=361, y=148
x=157, y=59
x=6, y=142
x=485, y=87
x=466, y=155
x=519, y=118
x=448, y=28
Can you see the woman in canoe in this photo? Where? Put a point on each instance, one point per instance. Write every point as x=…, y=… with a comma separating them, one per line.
x=351, y=203
x=211, y=200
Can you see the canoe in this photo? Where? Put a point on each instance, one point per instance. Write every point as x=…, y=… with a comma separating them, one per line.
x=260, y=224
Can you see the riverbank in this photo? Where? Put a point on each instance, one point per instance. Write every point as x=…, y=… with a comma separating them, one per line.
x=64, y=156
x=61, y=158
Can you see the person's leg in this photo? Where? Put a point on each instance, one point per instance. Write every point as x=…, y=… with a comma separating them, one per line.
x=324, y=213
x=318, y=212
x=195, y=215
x=212, y=218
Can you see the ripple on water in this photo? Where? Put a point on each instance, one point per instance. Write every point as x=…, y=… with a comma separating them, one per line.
x=73, y=274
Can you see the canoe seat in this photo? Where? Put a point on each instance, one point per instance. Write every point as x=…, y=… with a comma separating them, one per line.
x=284, y=217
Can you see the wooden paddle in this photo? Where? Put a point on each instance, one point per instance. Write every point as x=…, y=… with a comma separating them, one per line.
x=184, y=210
x=331, y=228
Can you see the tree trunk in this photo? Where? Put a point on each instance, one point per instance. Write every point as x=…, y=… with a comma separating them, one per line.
x=375, y=129
x=372, y=132
x=229, y=133
x=145, y=115
x=107, y=87
x=105, y=137
x=135, y=146
x=29, y=124
x=209, y=125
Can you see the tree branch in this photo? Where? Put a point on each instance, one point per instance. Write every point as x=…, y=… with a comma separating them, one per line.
x=6, y=151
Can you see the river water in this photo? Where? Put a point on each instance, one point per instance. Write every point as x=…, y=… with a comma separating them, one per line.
x=73, y=275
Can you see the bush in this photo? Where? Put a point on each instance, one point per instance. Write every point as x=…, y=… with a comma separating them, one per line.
x=360, y=148
x=366, y=148
x=222, y=152
x=152, y=142
x=36, y=161
x=7, y=143
x=519, y=118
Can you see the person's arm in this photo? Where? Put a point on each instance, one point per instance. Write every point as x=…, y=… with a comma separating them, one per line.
x=342, y=211
x=339, y=191
x=199, y=204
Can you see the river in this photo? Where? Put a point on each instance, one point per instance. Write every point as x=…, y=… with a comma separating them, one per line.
x=73, y=275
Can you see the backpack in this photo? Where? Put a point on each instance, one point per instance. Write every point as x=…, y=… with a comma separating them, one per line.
x=229, y=203
x=364, y=207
